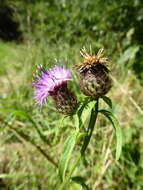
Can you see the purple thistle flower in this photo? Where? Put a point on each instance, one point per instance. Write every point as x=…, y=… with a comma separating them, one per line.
x=54, y=83
x=47, y=82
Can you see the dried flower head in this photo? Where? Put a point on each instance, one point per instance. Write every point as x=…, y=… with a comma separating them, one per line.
x=91, y=60
x=95, y=80
x=54, y=83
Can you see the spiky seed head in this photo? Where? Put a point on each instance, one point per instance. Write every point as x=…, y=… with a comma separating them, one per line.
x=91, y=60
x=96, y=82
x=94, y=75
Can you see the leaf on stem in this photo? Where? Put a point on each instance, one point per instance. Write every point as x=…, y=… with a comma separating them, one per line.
x=84, y=112
x=66, y=155
x=107, y=101
x=118, y=131
x=93, y=117
x=80, y=180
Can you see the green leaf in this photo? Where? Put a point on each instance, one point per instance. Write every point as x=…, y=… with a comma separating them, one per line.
x=66, y=155
x=81, y=135
x=129, y=54
x=80, y=180
x=93, y=117
x=84, y=112
x=17, y=113
x=118, y=131
x=107, y=101
x=22, y=114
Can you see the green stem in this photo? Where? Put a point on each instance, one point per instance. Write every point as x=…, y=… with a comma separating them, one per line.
x=91, y=125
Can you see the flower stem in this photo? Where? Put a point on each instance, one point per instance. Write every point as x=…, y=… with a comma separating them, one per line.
x=91, y=125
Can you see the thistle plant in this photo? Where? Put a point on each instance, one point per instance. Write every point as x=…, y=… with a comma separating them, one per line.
x=95, y=82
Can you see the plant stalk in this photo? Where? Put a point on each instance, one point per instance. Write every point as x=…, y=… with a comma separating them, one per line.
x=90, y=129
x=91, y=125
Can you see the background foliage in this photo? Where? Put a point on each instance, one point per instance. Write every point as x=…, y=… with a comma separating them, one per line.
x=36, y=32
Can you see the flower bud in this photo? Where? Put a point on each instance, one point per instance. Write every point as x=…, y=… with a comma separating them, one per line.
x=96, y=81
x=94, y=75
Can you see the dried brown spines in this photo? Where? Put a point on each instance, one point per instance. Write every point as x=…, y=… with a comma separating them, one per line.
x=91, y=60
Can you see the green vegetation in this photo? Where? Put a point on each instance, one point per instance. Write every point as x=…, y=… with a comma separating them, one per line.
x=31, y=141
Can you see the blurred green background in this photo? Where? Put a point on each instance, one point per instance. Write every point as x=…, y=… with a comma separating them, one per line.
x=36, y=32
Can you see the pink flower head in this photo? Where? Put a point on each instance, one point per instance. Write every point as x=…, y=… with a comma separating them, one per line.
x=48, y=82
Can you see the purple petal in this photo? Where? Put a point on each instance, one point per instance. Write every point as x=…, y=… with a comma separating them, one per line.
x=49, y=81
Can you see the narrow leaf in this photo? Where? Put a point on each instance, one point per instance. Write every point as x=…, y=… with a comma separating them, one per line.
x=81, y=135
x=17, y=113
x=90, y=128
x=107, y=101
x=118, y=131
x=84, y=112
x=66, y=155
x=80, y=180
x=22, y=114
x=128, y=54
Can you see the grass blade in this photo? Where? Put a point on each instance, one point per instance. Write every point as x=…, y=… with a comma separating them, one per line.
x=22, y=114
